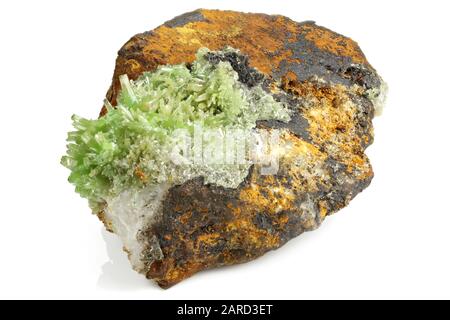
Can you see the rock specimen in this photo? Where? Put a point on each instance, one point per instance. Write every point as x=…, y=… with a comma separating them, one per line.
x=225, y=72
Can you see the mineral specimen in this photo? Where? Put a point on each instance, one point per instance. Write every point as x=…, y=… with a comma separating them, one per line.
x=214, y=85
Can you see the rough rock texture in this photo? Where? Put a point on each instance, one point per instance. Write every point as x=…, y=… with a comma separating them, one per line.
x=333, y=90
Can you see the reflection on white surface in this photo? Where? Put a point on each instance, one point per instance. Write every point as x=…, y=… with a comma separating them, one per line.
x=117, y=273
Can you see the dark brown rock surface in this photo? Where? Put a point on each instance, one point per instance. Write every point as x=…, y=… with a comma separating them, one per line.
x=333, y=90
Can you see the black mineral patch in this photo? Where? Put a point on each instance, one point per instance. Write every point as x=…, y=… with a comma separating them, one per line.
x=323, y=64
x=240, y=63
x=298, y=125
x=185, y=18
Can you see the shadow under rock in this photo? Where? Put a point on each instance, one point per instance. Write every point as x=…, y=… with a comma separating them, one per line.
x=117, y=273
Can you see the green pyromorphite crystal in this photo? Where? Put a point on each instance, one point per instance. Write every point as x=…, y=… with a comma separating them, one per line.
x=131, y=145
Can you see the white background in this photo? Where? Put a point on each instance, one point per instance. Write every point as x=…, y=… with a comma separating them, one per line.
x=392, y=241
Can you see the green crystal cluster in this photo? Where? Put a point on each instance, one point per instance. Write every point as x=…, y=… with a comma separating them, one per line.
x=131, y=145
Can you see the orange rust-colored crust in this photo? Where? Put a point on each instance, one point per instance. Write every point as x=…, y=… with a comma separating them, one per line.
x=203, y=226
x=330, y=41
x=323, y=165
x=262, y=37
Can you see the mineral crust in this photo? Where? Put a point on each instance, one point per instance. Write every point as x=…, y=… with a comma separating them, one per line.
x=174, y=231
